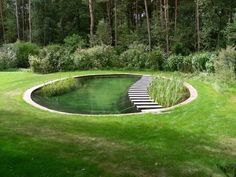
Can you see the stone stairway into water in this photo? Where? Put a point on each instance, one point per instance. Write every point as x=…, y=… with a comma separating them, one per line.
x=138, y=95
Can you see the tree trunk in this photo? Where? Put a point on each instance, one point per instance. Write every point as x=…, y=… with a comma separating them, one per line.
x=23, y=18
x=198, y=25
x=91, y=12
x=110, y=21
x=148, y=24
x=30, y=23
x=115, y=4
x=136, y=15
x=161, y=14
x=2, y=20
x=176, y=14
x=17, y=20
x=166, y=6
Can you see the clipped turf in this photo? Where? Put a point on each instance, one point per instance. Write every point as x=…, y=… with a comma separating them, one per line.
x=188, y=142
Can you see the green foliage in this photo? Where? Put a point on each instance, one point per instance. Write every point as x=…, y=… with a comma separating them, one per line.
x=74, y=41
x=200, y=60
x=168, y=92
x=230, y=32
x=102, y=33
x=65, y=61
x=225, y=65
x=180, y=49
x=8, y=57
x=97, y=57
x=138, y=56
x=155, y=59
x=24, y=49
x=173, y=63
x=229, y=170
x=135, y=57
x=47, y=60
x=59, y=87
x=186, y=65
x=126, y=36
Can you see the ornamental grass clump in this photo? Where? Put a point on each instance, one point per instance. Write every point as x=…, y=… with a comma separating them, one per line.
x=59, y=87
x=168, y=92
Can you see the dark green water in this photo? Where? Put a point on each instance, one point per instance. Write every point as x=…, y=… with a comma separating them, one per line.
x=95, y=95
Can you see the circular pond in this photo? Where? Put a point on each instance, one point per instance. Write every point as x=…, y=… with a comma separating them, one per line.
x=100, y=94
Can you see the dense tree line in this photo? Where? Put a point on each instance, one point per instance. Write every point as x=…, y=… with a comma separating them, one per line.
x=173, y=25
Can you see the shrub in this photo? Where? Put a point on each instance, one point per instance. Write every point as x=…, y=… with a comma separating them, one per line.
x=180, y=49
x=73, y=42
x=135, y=57
x=199, y=60
x=168, y=92
x=210, y=64
x=225, y=64
x=98, y=57
x=173, y=63
x=8, y=57
x=47, y=60
x=66, y=61
x=155, y=59
x=59, y=87
x=40, y=65
x=24, y=49
x=138, y=56
x=186, y=65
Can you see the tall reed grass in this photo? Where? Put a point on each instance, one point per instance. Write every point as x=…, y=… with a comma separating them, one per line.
x=59, y=87
x=168, y=92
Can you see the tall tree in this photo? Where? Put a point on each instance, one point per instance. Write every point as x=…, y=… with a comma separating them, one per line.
x=176, y=14
x=198, y=25
x=110, y=20
x=91, y=13
x=115, y=9
x=166, y=6
x=148, y=24
x=30, y=22
x=23, y=18
x=17, y=20
x=2, y=20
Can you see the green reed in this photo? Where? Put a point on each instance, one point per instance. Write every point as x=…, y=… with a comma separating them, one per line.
x=168, y=91
x=59, y=87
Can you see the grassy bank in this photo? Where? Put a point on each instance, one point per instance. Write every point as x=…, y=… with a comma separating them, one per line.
x=188, y=142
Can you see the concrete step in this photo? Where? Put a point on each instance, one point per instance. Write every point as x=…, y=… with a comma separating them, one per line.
x=139, y=98
x=138, y=94
x=142, y=100
x=145, y=103
x=149, y=107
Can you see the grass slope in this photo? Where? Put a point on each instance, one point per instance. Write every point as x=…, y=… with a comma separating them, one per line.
x=188, y=142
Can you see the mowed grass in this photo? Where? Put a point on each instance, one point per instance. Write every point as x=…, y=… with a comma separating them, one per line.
x=187, y=142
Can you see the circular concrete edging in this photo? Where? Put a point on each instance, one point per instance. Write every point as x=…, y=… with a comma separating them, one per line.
x=27, y=96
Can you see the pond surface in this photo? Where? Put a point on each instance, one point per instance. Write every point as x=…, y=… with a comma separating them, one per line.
x=104, y=94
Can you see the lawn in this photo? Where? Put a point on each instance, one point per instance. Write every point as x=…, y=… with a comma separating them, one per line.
x=188, y=142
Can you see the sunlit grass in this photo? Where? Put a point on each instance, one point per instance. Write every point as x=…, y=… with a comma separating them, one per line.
x=190, y=141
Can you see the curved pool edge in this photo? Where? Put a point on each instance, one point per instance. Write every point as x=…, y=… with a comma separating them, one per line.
x=27, y=97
